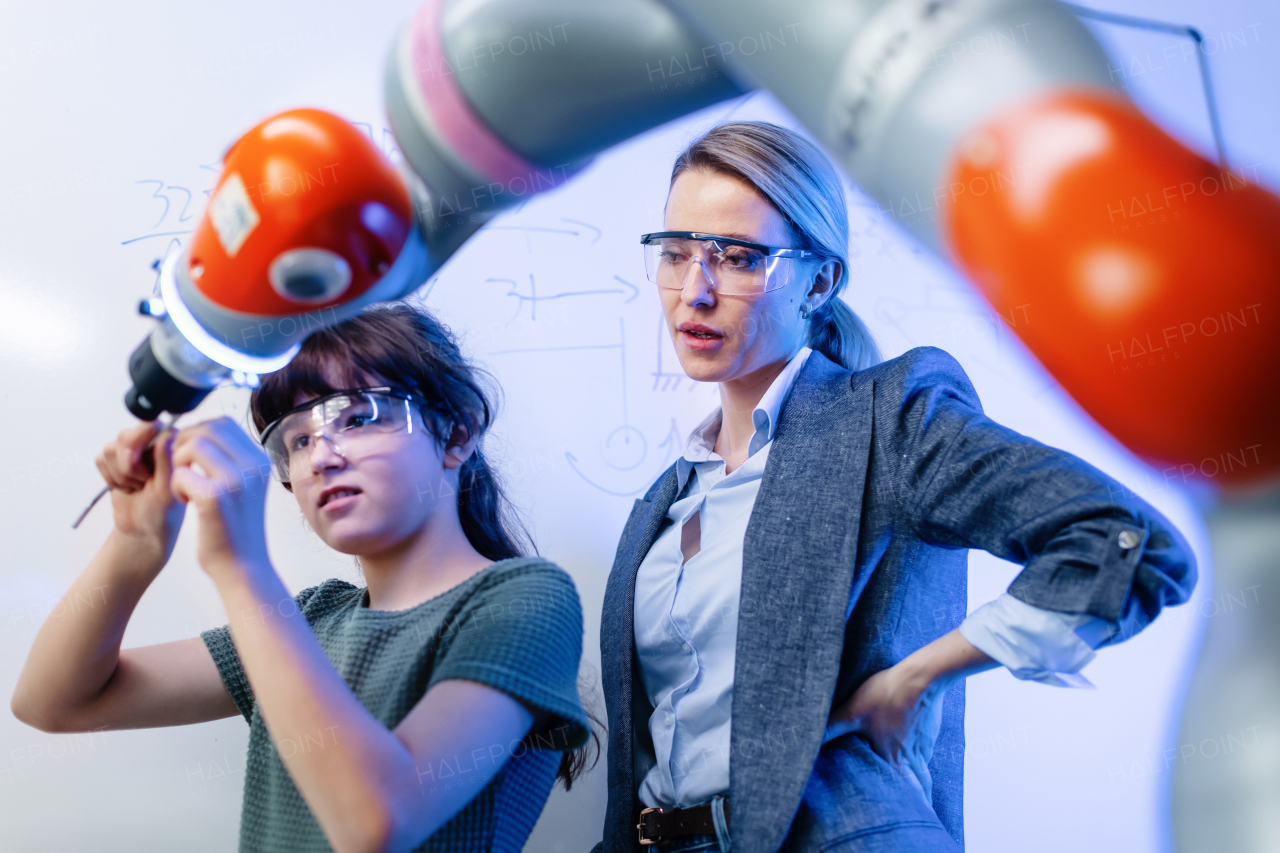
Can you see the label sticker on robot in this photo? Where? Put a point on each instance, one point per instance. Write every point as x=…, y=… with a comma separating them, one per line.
x=232, y=214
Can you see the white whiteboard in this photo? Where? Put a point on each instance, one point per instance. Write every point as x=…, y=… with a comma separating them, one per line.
x=113, y=121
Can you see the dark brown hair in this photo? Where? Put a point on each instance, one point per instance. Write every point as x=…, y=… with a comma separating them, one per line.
x=412, y=350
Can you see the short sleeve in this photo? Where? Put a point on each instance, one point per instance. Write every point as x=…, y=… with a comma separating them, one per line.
x=225, y=657
x=521, y=633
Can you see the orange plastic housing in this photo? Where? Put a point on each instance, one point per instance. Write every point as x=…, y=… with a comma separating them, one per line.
x=312, y=180
x=1142, y=276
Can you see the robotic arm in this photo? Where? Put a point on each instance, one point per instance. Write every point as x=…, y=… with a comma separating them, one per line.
x=989, y=129
x=309, y=222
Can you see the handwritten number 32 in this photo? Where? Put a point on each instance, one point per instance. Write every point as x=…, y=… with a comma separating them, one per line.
x=183, y=216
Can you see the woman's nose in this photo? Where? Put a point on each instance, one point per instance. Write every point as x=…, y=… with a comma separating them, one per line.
x=698, y=288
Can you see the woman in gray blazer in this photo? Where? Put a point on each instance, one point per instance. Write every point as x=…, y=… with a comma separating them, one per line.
x=784, y=627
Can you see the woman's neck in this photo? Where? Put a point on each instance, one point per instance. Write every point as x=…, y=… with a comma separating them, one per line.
x=738, y=399
x=432, y=561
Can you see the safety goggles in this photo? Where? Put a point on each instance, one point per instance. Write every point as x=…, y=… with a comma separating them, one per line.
x=354, y=422
x=731, y=266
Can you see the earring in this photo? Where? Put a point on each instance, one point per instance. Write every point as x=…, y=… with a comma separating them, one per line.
x=805, y=311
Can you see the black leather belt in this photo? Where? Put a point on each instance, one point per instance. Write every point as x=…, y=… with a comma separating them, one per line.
x=657, y=826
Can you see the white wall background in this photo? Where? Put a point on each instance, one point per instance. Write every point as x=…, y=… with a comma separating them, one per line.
x=112, y=119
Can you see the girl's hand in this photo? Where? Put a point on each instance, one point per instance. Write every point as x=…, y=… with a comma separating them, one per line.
x=900, y=712
x=225, y=474
x=144, y=507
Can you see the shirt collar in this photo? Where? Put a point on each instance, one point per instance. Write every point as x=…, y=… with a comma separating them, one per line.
x=702, y=441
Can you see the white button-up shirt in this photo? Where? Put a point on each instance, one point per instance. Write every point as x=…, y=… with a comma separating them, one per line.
x=686, y=614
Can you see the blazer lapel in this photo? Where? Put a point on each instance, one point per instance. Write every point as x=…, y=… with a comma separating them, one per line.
x=798, y=562
x=617, y=654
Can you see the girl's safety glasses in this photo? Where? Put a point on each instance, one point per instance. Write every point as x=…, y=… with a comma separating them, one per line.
x=354, y=422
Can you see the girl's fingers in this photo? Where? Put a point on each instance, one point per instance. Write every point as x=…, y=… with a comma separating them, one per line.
x=106, y=471
x=135, y=439
x=163, y=455
x=121, y=455
x=221, y=472
x=117, y=472
x=202, y=450
x=189, y=483
x=185, y=484
x=229, y=436
x=238, y=456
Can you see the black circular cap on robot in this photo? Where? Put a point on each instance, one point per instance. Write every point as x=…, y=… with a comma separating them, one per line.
x=305, y=285
x=309, y=275
x=155, y=390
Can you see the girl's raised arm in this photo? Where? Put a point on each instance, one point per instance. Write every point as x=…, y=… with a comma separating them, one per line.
x=76, y=678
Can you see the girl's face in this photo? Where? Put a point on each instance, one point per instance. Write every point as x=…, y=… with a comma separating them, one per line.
x=720, y=337
x=397, y=487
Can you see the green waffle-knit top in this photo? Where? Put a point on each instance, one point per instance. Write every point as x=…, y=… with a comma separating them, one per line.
x=515, y=626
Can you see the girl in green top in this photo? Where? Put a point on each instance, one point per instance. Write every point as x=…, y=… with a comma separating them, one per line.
x=431, y=710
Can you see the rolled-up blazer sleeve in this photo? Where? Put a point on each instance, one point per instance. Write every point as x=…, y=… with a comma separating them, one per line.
x=1087, y=544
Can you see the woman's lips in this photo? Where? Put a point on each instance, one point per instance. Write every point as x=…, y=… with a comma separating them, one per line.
x=699, y=337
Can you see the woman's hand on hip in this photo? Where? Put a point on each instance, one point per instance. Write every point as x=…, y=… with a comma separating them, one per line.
x=224, y=472
x=898, y=711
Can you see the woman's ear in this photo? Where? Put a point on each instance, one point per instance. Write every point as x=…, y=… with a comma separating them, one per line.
x=460, y=446
x=823, y=285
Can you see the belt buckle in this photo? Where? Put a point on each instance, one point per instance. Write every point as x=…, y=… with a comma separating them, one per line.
x=640, y=826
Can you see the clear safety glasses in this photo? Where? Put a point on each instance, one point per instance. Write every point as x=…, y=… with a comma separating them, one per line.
x=732, y=267
x=355, y=422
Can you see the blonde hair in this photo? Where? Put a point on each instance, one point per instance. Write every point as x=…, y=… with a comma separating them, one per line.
x=794, y=176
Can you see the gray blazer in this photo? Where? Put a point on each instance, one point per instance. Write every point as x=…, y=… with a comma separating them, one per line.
x=876, y=484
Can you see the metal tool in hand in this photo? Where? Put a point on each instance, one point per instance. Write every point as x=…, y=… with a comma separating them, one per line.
x=166, y=420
